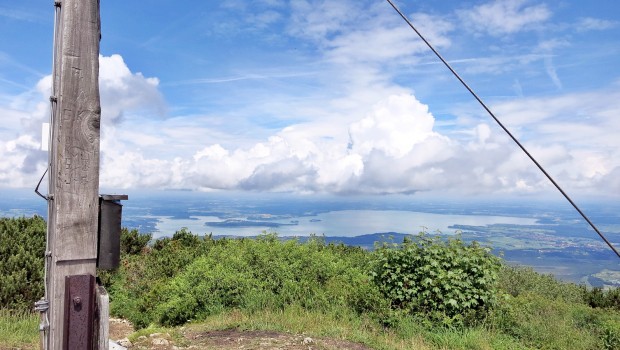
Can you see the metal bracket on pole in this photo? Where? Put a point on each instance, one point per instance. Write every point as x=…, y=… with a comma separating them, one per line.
x=42, y=306
x=79, y=312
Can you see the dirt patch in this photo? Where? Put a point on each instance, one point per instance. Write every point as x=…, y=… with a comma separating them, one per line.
x=235, y=339
x=120, y=329
x=228, y=340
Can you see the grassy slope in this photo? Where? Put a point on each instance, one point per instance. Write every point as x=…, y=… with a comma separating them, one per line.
x=183, y=279
x=315, y=289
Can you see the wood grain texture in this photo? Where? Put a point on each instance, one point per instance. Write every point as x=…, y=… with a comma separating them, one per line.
x=77, y=155
x=103, y=305
x=74, y=155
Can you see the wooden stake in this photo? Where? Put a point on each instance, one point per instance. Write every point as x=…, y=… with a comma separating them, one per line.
x=74, y=155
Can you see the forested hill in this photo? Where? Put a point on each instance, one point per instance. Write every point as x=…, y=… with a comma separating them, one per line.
x=368, y=241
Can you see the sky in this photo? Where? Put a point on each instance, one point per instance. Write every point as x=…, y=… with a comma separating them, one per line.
x=332, y=97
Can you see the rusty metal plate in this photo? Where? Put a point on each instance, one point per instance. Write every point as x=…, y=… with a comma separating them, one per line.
x=79, y=312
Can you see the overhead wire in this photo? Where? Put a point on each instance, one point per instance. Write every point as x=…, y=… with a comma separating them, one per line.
x=471, y=91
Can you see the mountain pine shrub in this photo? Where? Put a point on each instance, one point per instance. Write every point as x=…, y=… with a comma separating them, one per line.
x=132, y=242
x=165, y=286
x=22, y=246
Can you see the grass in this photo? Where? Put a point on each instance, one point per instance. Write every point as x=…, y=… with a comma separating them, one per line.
x=533, y=323
x=410, y=334
x=297, y=320
x=18, y=330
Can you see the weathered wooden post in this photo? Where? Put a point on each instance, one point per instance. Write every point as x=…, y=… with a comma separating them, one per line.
x=73, y=200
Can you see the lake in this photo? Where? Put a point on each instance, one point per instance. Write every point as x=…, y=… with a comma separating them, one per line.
x=547, y=235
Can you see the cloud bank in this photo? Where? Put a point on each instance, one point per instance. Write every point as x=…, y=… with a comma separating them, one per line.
x=357, y=128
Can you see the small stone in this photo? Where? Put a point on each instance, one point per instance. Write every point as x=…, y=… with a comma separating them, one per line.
x=159, y=341
x=307, y=341
x=155, y=335
x=124, y=342
x=142, y=338
x=115, y=346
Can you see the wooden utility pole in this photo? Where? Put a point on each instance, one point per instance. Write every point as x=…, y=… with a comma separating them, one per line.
x=74, y=156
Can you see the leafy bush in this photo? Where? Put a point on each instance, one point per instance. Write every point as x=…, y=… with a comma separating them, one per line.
x=22, y=248
x=611, y=334
x=447, y=279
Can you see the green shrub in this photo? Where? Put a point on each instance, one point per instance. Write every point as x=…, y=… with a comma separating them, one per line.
x=445, y=279
x=516, y=280
x=139, y=275
x=132, y=242
x=248, y=274
x=22, y=249
x=171, y=255
x=545, y=323
x=190, y=278
x=610, y=335
x=599, y=298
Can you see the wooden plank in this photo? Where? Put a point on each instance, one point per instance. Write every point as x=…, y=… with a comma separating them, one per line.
x=103, y=305
x=76, y=191
x=74, y=155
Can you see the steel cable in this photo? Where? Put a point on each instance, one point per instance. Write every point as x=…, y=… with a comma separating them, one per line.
x=557, y=186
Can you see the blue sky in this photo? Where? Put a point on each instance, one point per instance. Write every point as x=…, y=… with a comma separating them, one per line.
x=332, y=96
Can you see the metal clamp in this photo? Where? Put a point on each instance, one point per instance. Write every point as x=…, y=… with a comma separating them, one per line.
x=42, y=305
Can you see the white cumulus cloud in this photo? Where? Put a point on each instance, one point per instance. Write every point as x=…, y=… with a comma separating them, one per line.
x=385, y=149
x=122, y=91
